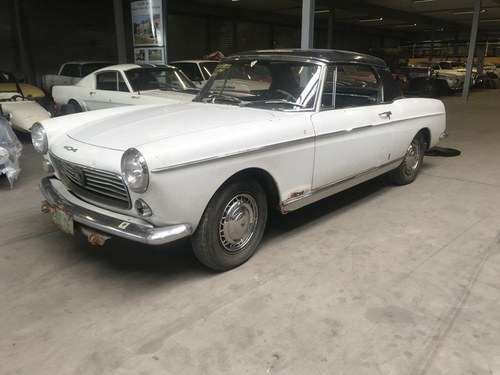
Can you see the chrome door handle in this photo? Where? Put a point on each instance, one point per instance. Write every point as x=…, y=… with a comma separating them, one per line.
x=387, y=114
x=135, y=96
x=92, y=92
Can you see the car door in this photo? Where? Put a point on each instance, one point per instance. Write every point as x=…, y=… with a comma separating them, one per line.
x=110, y=91
x=353, y=127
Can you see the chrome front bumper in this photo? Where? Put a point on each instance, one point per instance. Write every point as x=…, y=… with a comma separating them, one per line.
x=109, y=222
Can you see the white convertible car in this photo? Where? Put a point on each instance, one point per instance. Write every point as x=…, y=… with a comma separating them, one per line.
x=125, y=84
x=308, y=124
x=22, y=111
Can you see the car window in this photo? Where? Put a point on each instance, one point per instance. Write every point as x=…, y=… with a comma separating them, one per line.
x=71, y=70
x=391, y=90
x=92, y=67
x=167, y=78
x=445, y=65
x=7, y=78
x=111, y=81
x=207, y=68
x=191, y=70
x=349, y=85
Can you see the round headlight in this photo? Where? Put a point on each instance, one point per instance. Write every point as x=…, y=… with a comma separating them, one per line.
x=39, y=138
x=135, y=170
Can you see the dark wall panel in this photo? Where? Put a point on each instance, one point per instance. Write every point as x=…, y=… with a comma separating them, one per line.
x=187, y=37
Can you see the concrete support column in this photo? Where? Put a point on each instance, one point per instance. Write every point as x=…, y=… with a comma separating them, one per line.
x=331, y=21
x=120, y=31
x=22, y=37
x=472, y=47
x=307, y=24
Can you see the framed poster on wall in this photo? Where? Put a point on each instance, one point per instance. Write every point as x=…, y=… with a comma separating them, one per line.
x=149, y=55
x=148, y=30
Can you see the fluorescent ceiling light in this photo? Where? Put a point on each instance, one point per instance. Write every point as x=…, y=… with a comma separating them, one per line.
x=371, y=20
x=322, y=11
x=410, y=25
x=423, y=1
x=467, y=12
x=491, y=20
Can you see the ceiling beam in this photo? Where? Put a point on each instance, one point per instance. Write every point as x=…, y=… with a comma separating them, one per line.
x=359, y=6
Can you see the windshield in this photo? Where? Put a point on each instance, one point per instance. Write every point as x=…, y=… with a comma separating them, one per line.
x=207, y=68
x=7, y=78
x=143, y=79
x=445, y=65
x=280, y=85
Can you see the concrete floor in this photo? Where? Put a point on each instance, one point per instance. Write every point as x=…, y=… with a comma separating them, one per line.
x=376, y=280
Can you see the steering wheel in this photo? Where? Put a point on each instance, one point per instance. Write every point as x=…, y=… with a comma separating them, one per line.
x=15, y=98
x=288, y=97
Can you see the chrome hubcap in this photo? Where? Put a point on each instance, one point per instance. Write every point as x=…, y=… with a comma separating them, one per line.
x=412, y=158
x=238, y=222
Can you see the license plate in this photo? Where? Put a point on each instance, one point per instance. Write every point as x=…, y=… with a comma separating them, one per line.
x=63, y=220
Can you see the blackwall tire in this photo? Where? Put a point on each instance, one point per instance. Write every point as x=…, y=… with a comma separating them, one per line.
x=67, y=109
x=71, y=107
x=232, y=226
x=411, y=164
x=428, y=90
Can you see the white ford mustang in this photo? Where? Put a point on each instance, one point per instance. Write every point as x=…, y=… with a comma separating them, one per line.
x=275, y=129
x=125, y=84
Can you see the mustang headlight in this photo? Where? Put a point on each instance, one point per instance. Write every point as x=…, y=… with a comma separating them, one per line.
x=135, y=170
x=39, y=138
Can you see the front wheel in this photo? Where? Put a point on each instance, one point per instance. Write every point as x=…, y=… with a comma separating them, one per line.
x=412, y=162
x=232, y=226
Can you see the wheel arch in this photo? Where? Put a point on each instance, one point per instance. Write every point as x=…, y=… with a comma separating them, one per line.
x=74, y=101
x=426, y=133
x=264, y=178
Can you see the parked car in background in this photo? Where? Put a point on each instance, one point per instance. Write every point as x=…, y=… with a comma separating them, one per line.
x=198, y=71
x=307, y=124
x=10, y=84
x=125, y=84
x=72, y=72
x=10, y=151
x=422, y=82
x=444, y=69
x=22, y=111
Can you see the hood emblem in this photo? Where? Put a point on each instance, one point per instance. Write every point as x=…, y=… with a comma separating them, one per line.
x=69, y=148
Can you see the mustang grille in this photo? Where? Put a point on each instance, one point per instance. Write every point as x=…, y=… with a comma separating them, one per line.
x=94, y=184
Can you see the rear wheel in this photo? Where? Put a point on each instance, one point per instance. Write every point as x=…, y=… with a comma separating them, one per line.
x=232, y=226
x=412, y=162
x=71, y=107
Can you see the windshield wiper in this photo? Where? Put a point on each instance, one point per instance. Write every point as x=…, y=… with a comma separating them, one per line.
x=275, y=101
x=216, y=97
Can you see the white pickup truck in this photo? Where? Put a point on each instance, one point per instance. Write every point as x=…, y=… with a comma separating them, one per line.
x=71, y=72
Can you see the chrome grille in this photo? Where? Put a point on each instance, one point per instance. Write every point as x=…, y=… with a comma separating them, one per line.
x=94, y=184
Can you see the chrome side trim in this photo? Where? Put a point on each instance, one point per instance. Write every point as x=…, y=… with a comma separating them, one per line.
x=143, y=233
x=336, y=187
x=237, y=153
x=348, y=131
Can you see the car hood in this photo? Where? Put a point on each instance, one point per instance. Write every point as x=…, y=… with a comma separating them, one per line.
x=26, y=89
x=176, y=95
x=151, y=123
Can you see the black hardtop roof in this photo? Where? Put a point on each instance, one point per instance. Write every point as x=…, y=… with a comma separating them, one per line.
x=324, y=55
